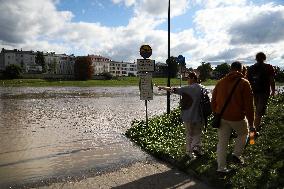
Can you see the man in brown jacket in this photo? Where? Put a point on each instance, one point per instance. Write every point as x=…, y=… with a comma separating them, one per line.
x=239, y=107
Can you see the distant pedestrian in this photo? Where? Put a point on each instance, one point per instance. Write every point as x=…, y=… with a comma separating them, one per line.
x=191, y=113
x=261, y=78
x=239, y=107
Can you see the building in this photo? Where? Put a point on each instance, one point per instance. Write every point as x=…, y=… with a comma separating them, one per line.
x=123, y=68
x=66, y=64
x=62, y=64
x=55, y=63
x=100, y=64
x=24, y=59
x=161, y=70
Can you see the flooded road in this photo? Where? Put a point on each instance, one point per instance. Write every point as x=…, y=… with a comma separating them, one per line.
x=57, y=132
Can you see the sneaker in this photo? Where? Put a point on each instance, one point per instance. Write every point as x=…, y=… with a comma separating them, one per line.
x=191, y=155
x=196, y=151
x=238, y=160
x=224, y=170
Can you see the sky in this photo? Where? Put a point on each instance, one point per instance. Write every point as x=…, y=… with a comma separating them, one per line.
x=214, y=31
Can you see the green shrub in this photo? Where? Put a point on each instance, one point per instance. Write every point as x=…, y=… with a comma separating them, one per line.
x=12, y=71
x=106, y=75
x=165, y=139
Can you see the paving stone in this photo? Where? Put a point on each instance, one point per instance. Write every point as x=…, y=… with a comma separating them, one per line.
x=155, y=175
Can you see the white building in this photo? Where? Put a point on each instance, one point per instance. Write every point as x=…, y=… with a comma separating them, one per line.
x=63, y=64
x=24, y=59
x=123, y=68
x=66, y=64
x=55, y=63
x=100, y=64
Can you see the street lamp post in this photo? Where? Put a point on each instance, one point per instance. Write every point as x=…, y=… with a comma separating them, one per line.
x=169, y=51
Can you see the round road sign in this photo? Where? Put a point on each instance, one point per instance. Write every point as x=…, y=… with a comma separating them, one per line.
x=145, y=51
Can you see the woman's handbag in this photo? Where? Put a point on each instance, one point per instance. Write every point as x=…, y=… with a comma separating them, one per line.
x=216, y=120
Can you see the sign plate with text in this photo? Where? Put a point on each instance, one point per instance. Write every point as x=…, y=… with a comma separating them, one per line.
x=146, y=88
x=145, y=65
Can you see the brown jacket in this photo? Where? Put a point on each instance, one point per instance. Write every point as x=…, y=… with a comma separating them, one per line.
x=241, y=103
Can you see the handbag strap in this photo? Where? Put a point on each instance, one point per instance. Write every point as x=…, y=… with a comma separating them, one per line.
x=229, y=98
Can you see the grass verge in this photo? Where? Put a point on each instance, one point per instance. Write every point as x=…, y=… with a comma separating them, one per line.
x=165, y=139
x=121, y=81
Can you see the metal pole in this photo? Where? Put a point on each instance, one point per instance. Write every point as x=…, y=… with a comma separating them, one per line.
x=180, y=78
x=146, y=113
x=169, y=51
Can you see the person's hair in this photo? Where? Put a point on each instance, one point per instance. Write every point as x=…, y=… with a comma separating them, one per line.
x=192, y=75
x=260, y=57
x=236, y=66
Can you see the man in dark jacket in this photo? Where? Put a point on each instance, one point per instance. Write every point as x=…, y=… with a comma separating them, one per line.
x=261, y=78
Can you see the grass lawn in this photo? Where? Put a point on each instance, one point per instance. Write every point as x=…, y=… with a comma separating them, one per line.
x=122, y=81
x=165, y=139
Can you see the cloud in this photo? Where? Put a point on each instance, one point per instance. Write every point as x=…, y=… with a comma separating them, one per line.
x=127, y=3
x=218, y=3
x=22, y=21
x=266, y=26
x=38, y=25
x=159, y=8
x=226, y=55
x=229, y=32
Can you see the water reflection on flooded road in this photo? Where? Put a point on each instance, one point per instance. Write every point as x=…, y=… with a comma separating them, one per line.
x=52, y=132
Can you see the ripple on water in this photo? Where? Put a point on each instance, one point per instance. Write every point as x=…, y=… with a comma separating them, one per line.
x=48, y=132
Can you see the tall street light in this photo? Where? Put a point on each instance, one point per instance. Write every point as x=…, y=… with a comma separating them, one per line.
x=169, y=51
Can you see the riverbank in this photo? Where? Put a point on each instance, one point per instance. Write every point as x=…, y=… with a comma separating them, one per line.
x=164, y=138
x=122, y=81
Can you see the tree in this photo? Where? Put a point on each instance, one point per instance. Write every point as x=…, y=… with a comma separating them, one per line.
x=172, y=67
x=221, y=70
x=83, y=68
x=39, y=60
x=279, y=75
x=204, y=70
x=12, y=71
x=52, y=66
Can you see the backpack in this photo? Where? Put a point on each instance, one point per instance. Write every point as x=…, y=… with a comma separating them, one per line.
x=205, y=105
x=258, y=78
x=185, y=101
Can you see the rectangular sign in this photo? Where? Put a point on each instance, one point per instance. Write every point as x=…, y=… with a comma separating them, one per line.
x=146, y=87
x=145, y=65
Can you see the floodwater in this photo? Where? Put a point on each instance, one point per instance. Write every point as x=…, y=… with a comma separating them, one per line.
x=58, y=132
x=55, y=132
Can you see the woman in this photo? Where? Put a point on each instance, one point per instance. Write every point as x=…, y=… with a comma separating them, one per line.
x=191, y=113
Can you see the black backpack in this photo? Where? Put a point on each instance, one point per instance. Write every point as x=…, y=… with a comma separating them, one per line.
x=186, y=101
x=205, y=105
x=258, y=78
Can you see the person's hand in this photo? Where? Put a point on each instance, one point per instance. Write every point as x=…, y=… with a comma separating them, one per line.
x=252, y=129
x=159, y=88
x=273, y=93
